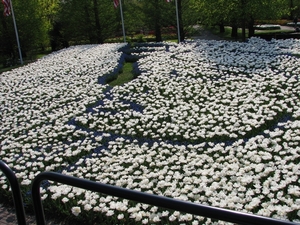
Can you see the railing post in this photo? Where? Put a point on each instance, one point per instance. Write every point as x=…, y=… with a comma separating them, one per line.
x=37, y=201
x=16, y=192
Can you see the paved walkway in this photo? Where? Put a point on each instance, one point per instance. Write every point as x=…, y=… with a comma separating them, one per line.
x=204, y=34
x=8, y=217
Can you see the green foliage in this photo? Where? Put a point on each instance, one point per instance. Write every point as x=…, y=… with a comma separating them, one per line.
x=55, y=23
x=239, y=13
x=86, y=22
x=216, y=11
x=32, y=19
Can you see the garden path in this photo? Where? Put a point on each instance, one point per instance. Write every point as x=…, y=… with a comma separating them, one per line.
x=204, y=34
x=8, y=217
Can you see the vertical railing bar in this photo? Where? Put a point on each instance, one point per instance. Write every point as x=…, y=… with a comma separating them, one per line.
x=165, y=202
x=16, y=192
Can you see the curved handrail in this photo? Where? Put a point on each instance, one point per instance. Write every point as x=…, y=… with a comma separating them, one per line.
x=16, y=192
x=151, y=199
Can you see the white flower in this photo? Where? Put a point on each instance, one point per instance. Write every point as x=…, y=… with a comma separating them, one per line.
x=110, y=213
x=172, y=104
x=76, y=210
x=156, y=219
x=294, y=190
x=165, y=213
x=64, y=200
x=172, y=218
x=44, y=196
x=26, y=182
x=145, y=221
x=87, y=207
x=137, y=216
x=120, y=216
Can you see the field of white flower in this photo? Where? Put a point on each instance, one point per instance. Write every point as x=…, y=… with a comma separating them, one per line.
x=211, y=122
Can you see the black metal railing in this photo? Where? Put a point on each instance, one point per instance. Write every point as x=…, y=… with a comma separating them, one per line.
x=151, y=199
x=16, y=192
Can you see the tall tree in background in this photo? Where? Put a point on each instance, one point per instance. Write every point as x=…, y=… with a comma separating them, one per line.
x=188, y=17
x=31, y=29
x=6, y=35
x=161, y=14
x=157, y=21
x=294, y=8
x=133, y=16
x=214, y=12
x=239, y=13
x=153, y=16
x=48, y=10
x=99, y=35
x=89, y=21
x=68, y=22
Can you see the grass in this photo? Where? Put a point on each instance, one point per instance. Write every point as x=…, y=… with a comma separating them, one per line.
x=4, y=69
x=226, y=35
x=125, y=76
x=25, y=61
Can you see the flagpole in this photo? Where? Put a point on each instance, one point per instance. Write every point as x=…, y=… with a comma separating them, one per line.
x=177, y=17
x=16, y=31
x=123, y=28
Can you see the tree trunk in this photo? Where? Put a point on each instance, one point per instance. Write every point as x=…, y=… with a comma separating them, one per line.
x=291, y=10
x=7, y=40
x=88, y=22
x=222, y=28
x=243, y=10
x=158, y=37
x=243, y=29
x=97, y=23
x=251, y=27
x=234, y=31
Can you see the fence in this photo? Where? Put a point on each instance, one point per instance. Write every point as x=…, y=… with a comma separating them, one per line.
x=151, y=199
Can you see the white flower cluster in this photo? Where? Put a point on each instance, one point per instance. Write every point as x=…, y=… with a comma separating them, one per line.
x=211, y=122
x=38, y=102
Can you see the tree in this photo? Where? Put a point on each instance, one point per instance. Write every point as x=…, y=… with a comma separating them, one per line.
x=160, y=14
x=153, y=14
x=188, y=17
x=89, y=21
x=31, y=29
x=294, y=8
x=239, y=13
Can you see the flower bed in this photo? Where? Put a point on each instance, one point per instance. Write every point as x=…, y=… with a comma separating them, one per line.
x=213, y=122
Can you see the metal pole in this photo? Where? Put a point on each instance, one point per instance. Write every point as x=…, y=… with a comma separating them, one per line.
x=177, y=17
x=16, y=31
x=123, y=28
x=16, y=192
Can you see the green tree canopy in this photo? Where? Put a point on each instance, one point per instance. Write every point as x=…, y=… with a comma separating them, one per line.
x=32, y=29
x=239, y=13
x=60, y=23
